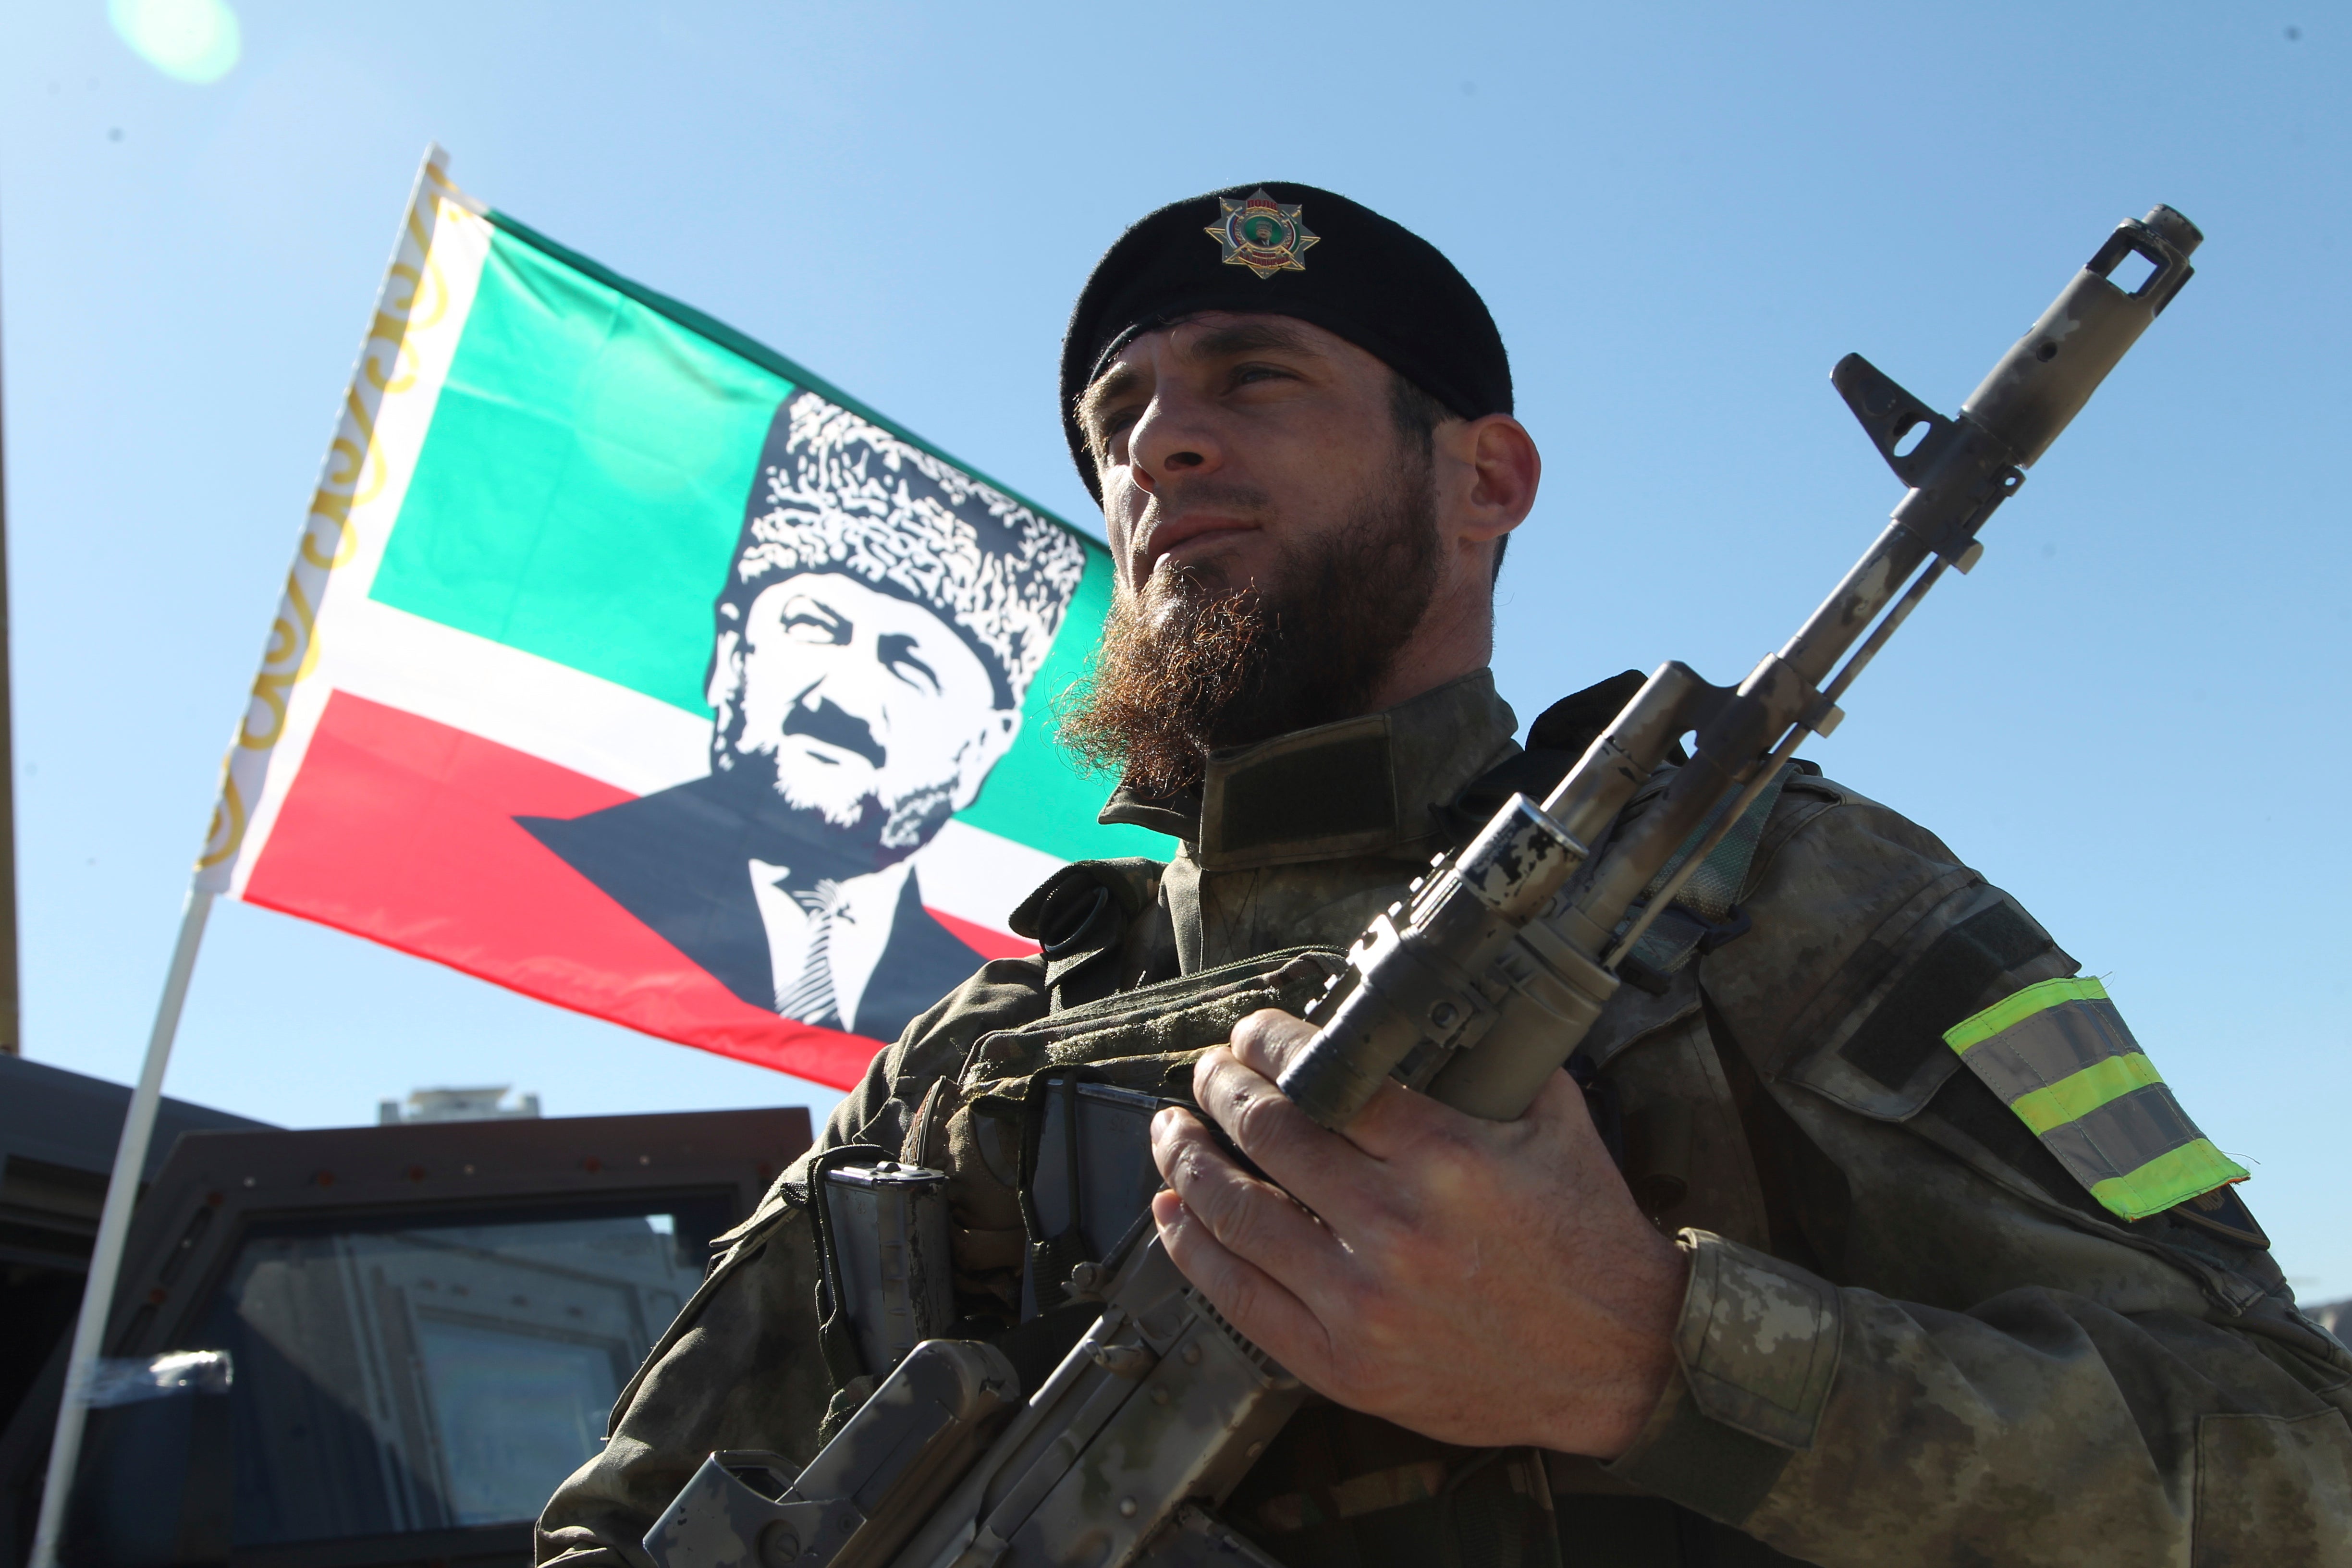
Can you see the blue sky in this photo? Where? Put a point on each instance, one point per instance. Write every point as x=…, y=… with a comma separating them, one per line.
x=1681, y=214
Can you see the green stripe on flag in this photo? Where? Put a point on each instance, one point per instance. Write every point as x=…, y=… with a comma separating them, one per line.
x=751, y=348
x=1978, y=1028
x=2172, y=1177
x=2081, y=1093
x=579, y=491
x=1029, y=796
x=581, y=486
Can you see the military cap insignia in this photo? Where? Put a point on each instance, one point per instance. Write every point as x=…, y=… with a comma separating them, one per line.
x=1261, y=235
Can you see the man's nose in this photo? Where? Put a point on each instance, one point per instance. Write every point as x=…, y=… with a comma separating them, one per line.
x=859, y=689
x=1176, y=437
x=858, y=684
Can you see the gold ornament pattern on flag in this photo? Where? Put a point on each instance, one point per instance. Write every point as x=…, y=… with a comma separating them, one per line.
x=415, y=297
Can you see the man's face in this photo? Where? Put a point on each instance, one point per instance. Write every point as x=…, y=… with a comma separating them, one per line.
x=1227, y=442
x=871, y=708
x=1276, y=538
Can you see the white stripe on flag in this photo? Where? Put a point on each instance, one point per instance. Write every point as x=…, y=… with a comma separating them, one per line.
x=619, y=737
x=974, y=875
x=570, y=718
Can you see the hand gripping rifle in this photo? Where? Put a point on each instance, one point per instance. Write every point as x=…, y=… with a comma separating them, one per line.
x=1476, y=994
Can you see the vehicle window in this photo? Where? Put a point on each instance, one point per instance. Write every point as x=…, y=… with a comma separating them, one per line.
x=396, y=1377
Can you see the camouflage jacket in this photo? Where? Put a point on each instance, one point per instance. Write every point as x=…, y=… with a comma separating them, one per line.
x=1909, y=1336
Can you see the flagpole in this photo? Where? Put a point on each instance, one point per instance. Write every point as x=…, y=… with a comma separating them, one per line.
x=139, y=1122
x=11, y=1037
x=114, y=1230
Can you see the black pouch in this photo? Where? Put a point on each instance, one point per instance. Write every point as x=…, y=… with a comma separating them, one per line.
x=888, y=1270
x=1084, y=1084
x=1087, y=1177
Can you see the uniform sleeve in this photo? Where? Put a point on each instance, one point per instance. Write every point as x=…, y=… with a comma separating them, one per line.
x=743, y=1371
x=741, y=1367
x=1978, y=1363
x=1844, y=1427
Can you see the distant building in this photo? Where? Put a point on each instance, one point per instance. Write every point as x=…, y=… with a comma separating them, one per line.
x=457, y=1105
x=2335, y=1317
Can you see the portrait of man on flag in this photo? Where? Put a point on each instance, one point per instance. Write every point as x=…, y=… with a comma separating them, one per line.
x=879, y=624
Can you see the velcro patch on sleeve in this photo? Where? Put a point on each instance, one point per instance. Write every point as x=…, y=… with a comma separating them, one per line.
x=2061, y=1057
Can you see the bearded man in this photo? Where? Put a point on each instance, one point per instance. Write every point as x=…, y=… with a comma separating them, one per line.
x=1786, y=1278
x=878, y=628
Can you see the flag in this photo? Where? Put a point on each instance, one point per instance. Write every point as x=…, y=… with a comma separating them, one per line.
x=624, y=663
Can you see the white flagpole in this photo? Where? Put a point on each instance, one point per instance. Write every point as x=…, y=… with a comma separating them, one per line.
x=113, y=1230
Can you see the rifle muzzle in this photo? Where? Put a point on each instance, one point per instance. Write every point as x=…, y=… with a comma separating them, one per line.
x=2050, y=372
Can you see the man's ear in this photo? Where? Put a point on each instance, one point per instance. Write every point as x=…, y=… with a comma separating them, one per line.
x=726, y=680
x=985, y=750
x=1488, y=471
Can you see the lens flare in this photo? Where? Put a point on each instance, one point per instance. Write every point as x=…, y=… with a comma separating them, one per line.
x=188, y=40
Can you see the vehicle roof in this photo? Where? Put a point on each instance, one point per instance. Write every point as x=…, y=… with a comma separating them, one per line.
x=69, y=1119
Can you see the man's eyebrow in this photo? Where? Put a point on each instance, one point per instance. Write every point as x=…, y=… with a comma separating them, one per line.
x=1216, y=343
x=1114, y=383
x=1248, y=337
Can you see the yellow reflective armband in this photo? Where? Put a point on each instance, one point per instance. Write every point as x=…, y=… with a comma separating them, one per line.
x=2060, y=1055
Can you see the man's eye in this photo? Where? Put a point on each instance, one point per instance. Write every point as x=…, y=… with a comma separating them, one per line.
x=1116, y=423
x=805, y=620
x=1246, y=375
x=896, y=652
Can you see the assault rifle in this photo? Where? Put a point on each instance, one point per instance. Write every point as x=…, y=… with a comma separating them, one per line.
x=1475, y=992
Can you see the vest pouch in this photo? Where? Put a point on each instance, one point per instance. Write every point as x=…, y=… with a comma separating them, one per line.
x=1087, y=1176
x=1083, y=1084
x=887, y=1264
x=882, y=1253
x=1146, y=1038
x=1341, y=1489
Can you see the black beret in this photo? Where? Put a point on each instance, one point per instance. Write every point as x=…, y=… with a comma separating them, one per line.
x=1289, y=250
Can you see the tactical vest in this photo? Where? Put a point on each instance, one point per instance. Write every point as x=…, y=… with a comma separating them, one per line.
x=1044, y=1136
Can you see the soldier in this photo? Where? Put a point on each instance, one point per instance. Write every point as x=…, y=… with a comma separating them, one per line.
x=1792, y=1278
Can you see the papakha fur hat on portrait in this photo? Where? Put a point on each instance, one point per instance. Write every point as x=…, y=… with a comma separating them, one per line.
x=835, y=492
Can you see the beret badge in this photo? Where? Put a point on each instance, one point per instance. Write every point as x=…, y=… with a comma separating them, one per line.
x=1262, y=233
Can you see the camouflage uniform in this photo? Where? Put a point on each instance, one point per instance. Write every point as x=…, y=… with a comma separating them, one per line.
x=1909, y=1335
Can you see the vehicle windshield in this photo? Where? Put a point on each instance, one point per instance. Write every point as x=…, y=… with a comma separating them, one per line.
x=399, y=1377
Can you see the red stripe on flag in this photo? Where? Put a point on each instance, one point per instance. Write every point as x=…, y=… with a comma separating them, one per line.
x=402, y=830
